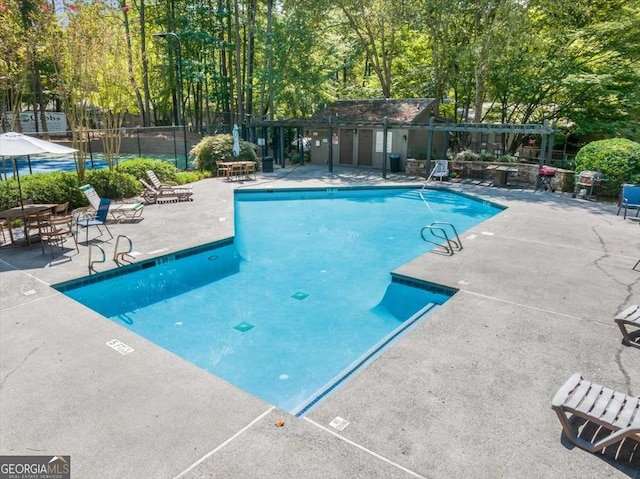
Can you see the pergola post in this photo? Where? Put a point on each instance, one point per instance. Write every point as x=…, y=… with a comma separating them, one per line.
x=385, y=127
x=429, y=145
x=551, y=139
x=281, y=146
x=543, y=144
x=330, y=160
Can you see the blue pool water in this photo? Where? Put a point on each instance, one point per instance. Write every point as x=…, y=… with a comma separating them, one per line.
x=300, y=299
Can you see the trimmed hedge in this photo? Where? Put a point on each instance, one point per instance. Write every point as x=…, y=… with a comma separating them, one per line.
x=618, y=159
x=138, y=169
x=57, y=187
x=113, y=184
x=120, y=183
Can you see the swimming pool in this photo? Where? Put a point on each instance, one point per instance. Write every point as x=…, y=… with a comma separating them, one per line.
x=300, y=299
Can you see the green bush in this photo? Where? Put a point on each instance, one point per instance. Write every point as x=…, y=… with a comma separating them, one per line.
x=487, y=157
x=220, y=148
x=113, y=184
x=300, y=158
x=138, y=169
x=618, y=159
x=192, y=176
x=467, y=155
x=507, y=159
x=58, y=187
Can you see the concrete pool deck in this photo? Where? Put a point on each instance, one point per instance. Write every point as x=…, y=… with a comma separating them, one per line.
x=465, y=394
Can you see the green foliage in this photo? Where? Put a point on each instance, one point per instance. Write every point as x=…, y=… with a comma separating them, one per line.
x=220, y=148
x=618, y=159
x=467, y=155
x=113, y=184
x=58, y=187
x=138, y=169
x=507, y=159
x=41, y=188
x=487, y=157
x=192, y=176
x=300, y=158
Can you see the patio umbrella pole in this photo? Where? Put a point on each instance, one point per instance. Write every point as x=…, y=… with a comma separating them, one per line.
x=15, y=168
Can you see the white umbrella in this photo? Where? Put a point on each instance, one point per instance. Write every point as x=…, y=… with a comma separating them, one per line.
x=14, y=144
x=236, y=141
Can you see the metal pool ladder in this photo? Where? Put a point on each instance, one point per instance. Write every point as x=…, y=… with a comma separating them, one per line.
x=91, y=262
x=119, y=257
x=124, y=255
x=438, y=229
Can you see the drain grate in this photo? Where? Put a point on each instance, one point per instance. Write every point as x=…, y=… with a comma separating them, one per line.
x=299, y=295
x=243, y=327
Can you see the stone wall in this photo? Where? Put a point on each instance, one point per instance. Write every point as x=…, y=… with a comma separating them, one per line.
x=416, y=167
x=527, y=172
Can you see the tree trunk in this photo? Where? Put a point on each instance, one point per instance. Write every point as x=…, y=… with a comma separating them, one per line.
x=132, y=78
x=238, y=64
x=248, y=106
x=146, y=118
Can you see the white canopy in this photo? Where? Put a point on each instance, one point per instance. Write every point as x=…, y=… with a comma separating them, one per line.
x=17, y=144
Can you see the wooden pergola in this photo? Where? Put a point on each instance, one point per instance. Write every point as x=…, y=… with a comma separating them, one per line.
x=545, y=131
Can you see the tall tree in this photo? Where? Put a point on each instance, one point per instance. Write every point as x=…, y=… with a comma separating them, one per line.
x=376, y=23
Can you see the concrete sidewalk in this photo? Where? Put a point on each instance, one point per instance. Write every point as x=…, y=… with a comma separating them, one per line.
x=465, y=394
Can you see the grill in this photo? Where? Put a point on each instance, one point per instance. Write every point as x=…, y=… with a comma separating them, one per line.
x=545, y=175
x=587, y=182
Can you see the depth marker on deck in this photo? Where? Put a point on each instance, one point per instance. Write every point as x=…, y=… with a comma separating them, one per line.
x=119, y=346
x=339, y=423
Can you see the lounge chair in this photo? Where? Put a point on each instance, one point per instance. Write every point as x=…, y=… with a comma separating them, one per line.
x=119, y=211
x=157, y=184
x=609, y=409
x=629, y=318
x=629, y=199
x=85, y=220
x=440, y=170
x=164, y=192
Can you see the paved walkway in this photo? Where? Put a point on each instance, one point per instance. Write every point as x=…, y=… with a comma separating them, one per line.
x=465, y=394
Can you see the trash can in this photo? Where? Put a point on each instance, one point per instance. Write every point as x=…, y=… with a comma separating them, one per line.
x=394, y=163
x=267, y=164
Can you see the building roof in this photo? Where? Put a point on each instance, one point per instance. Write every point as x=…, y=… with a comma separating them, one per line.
x=403, y=110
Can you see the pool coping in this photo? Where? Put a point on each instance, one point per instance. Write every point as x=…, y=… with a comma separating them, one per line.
x=536, y=302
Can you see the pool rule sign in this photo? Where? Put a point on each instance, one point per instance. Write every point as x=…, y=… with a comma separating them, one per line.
x=35, y=467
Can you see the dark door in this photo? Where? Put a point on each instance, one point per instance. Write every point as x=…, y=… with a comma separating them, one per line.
x=346, y=147
x=365, y=147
